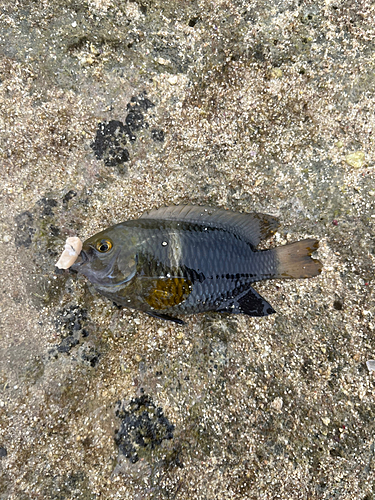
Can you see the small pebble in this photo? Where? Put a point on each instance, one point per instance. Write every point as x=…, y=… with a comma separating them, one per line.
x=276, y=73
x=371, y=365
x=356, y=160
x=173, y=79
x=277, y=404
x=163, y=62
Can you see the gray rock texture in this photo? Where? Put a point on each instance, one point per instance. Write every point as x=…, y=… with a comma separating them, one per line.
x=109, y=108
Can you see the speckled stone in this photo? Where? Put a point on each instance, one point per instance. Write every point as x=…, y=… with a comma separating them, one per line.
x=255, y=106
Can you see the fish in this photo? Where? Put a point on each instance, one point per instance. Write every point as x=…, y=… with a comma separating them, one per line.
x=187, y=259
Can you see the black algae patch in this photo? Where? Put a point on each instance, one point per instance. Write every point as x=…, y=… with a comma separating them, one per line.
x=157, y=135
x=135, y=120
x=67, y=343
x=24, y=229
x=69, y=323
x=140, y=103
x=193, y=21
x=143, y=427
x=137, y=106
x=89, y=355
x=69, y=195
x=54, y=230
x=70, y=319
x=111, y=137
x=47, y=205
x=110, y=141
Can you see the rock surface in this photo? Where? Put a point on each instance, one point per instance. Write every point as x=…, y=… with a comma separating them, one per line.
x=108, y=109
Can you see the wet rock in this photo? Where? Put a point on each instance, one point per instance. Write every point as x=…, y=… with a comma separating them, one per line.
x=72, y=485
x=34, y=370
x=25, y=229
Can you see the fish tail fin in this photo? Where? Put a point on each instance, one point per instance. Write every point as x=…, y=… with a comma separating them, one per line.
x=294, y=260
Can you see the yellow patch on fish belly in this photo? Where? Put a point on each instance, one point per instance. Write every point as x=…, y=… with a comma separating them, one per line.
x=169, y=292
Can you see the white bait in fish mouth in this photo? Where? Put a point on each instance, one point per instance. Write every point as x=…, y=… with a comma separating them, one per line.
x=73, y=247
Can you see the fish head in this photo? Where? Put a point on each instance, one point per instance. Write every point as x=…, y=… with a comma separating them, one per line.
x=108, y=258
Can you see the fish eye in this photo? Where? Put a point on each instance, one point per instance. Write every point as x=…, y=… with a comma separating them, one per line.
x=104, y=246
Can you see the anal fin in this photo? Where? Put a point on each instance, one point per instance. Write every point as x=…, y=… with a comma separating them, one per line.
x=248, y=302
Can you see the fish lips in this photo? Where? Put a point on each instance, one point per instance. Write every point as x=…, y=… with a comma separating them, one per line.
x=81, y=259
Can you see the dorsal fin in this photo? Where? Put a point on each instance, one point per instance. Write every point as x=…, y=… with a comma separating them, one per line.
x=253, y=227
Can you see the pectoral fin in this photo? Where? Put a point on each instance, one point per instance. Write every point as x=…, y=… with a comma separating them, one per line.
x=165, y=317
x=248, y=302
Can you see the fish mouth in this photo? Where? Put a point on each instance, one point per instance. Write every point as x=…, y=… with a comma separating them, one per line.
x=81, y=259
x=107, y=276
x=96, y=276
